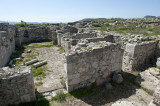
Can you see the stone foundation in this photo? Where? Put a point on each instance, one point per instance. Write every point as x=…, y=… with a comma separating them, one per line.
x=93, y=66
x=7, y=42
x=138, y=56
x=16, y=86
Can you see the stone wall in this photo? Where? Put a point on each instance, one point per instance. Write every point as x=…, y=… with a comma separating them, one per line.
x=16, y=86
x=7, y=42
x=107, y=38
x=96, y=65
x=138, y=56
x=35, y=34
x=156, y=99
x=84, y=35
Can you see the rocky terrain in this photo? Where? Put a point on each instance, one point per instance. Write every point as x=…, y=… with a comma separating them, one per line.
x=94, y=62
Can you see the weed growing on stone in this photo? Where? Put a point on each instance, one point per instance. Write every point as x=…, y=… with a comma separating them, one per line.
x=60, y=97
x=39, y=83
x=38, y=71
x=63, y=83
x=61, y=50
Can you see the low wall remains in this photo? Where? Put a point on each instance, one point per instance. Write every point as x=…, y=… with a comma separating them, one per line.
x=84, y=35
x=16, y=86
x=7, y=42
x=107, y=38
x=35, y=34
x=137, y=56
x=93, y=66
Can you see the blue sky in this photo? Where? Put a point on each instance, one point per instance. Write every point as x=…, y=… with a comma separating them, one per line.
x=73, y=10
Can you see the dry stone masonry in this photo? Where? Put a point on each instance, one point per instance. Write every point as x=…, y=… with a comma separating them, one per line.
x=7, y=42
x=136, y=56
x=36, y=33
x=90, y=56
x=16, y=85
x=97, y=64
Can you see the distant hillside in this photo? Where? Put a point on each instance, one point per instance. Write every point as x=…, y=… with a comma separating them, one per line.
x=91, y=19
x=149, y=16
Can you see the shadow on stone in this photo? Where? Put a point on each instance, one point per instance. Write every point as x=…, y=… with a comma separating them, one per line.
x=97, y=96
x=40, y=101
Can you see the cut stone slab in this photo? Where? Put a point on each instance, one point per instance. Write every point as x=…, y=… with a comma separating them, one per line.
x=40, y=64
x=31, y=62
x=50, y=84
x=148, y=80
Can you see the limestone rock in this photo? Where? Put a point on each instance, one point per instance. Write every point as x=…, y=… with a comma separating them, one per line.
x=29, y=51
x=117, y=78
x=156, y=99
x=126, y=103
x=154, y=71
x=158, y=61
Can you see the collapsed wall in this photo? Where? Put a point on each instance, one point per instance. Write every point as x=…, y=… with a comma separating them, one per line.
x=137, y=56
x=84, y=68
x=35, y=34
x=16, y=86
x=7, y=42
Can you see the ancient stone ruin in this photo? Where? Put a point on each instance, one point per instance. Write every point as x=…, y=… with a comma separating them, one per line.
x=91, y=56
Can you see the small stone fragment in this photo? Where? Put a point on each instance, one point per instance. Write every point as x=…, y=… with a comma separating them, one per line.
x=17, y=59
x=117, y=78
x=29, y=51
x=108, y=86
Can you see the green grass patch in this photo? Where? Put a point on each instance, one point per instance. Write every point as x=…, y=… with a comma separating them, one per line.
x=85, y=92
x=38, y=46
x=60, y=97
x=63, y=83
x=141, y=27
x=21, y=25
x=39, y=83
x=61, y=50
x=37, y=72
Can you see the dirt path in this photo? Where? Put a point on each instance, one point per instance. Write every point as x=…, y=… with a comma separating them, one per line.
x=55, y=64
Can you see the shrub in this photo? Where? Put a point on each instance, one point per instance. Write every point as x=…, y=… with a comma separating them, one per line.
x=21, y=25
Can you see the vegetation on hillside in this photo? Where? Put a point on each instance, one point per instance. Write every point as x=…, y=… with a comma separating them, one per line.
x=143, y=26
